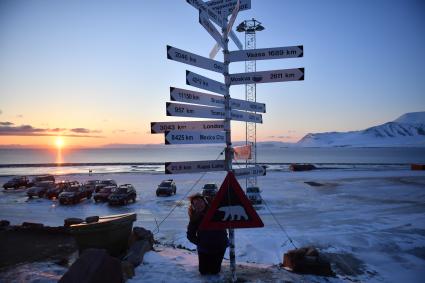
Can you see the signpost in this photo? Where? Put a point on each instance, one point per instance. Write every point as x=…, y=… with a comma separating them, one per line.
x=226, y=7
x=162, y=127
x=250, y=171
x=202, y=82
x=188, y=110
x=193, y=59
x=195, y=97
x=189, y=137
x=231, y=208
x=267, y=53
x=194, y=166
x=209, y=27
x=285, y=75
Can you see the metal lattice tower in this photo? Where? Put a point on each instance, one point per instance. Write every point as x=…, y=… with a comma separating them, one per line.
x=250, y=27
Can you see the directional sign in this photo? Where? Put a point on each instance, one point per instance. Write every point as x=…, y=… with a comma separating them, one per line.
x=194, y=166
x=230, y=208
x=247, y=105
x=214, y=51
x=250, y=172
x=195, y=97
x=236, y=40
x=210, y=28
x=187, y=110
x=266, y=53
x=267, y=76
x=246, y=116
x=186, y=137
x=225, y=7
x=194, y=60
x=202, y=82
x=162, y=127
x=233, y=17
x=216, y=18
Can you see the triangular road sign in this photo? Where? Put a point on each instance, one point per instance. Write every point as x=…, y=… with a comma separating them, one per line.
x=231, y=208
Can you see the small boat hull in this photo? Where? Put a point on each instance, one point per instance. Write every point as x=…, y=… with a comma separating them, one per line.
x=110, y=233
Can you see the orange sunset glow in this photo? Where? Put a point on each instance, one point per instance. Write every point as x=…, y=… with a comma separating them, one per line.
x=59, y=142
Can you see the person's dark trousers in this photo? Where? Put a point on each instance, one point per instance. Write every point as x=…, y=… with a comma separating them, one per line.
x=210, y=263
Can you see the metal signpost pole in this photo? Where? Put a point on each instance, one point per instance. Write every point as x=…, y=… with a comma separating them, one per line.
x=228, y=152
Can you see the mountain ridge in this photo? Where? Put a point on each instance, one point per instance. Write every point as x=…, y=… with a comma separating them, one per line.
x=406, y=130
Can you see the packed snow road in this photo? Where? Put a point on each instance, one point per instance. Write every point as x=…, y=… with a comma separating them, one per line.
x=370, y=222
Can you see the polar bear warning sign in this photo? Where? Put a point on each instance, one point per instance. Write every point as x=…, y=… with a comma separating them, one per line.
x=231, y=208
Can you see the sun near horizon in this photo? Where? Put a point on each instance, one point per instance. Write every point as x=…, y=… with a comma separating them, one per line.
x=59, y=142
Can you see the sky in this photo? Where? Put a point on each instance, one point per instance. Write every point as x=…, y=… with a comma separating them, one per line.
x=96, y=72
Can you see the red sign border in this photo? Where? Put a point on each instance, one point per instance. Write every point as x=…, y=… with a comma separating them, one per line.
x=231, y=180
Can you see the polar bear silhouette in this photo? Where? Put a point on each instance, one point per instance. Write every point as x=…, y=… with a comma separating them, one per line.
x=233, y=212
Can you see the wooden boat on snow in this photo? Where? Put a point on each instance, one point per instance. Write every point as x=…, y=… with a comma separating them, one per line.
x=109, y=232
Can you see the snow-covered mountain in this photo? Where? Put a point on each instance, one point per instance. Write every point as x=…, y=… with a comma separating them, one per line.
x=407, y=130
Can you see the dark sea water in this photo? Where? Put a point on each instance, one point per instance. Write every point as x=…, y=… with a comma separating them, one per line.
x=37, y=161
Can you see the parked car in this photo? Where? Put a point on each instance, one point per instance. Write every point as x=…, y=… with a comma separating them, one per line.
x=254, y=195
x=122, y=195
x=40, y=189
x=167, y=187
x=105, y=183
x=91, y=184
x=209, y=190
x=41, y=178
x=60, y=187
x=16, y=183
x=73, y=195
x=103, y=193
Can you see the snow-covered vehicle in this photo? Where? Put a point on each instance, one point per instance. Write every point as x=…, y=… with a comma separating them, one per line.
x=167, y=187
x=122, y=195
x=254, y=195
x=16, y=183
x=40, y=188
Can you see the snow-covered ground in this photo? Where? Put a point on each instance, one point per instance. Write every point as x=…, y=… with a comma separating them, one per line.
x=370, y=224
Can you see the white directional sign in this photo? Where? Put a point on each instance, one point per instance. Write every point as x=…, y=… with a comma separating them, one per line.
x=211, y=125
x=266, y=53
x=233, y=17
x=216, y=18
x=194, y=166
x=267, y=76
x=195, y=97
x=250, y=171
x=210, y=28
x=189, y=137
x=202, y=82
x=194, y=60
x=247, y=105
x=214, y=51
x=187, y=110
x=246, y=116
x=225, y=7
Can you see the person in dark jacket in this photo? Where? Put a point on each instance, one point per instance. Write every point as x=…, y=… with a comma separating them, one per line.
x=211, y=244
